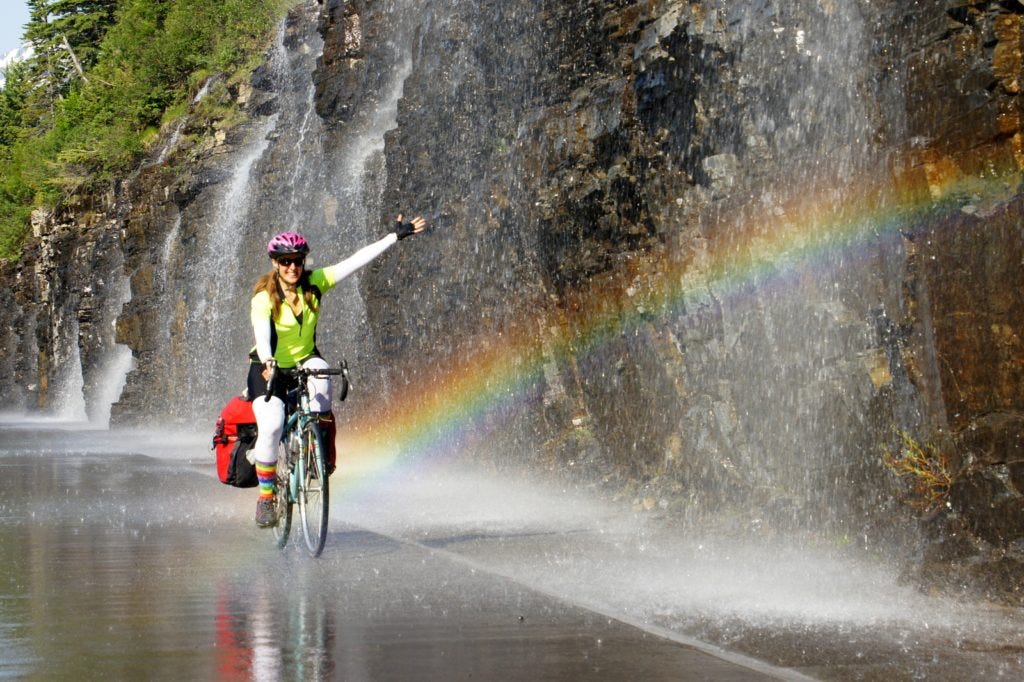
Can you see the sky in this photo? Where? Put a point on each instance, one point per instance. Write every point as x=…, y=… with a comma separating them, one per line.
x=13, y=17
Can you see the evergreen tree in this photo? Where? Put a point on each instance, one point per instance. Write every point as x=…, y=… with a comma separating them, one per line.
x=15, y=193
x=66, y=35
x=12, y=102
x=72, y=127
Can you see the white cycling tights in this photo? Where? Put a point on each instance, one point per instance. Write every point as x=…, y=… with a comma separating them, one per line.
x=270, y=413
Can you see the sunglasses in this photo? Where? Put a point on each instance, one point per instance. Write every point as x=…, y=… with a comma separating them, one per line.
x=286, y=262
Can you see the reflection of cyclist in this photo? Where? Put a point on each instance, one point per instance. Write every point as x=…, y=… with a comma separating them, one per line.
x=285, y=309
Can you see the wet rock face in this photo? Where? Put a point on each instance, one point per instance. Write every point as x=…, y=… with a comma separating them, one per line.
x=56, y=308
x=355, y=43
x=585, y=151
x=964, y=279
x=730, y=249
x=19, y=367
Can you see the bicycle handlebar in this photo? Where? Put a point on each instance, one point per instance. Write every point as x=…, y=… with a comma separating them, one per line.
x=302, y=372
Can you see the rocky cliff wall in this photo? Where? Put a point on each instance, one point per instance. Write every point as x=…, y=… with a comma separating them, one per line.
x=60, y=302
x=576, y=155
x=732, y=251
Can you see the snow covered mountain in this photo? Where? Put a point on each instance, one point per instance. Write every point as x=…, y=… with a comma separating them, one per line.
x=16, y=55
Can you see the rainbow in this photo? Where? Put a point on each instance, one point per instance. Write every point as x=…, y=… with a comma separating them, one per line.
x=489, y=376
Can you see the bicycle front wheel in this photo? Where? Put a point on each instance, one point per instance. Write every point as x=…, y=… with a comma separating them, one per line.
x=283, y=496
x=313, y=490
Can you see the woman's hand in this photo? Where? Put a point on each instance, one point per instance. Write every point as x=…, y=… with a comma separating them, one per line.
x=267, y=369
x=407, y=229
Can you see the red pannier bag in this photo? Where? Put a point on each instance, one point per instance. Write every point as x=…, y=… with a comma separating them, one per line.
x=234, y=436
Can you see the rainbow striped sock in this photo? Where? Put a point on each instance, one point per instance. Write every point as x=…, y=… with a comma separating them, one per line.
x=265, y=475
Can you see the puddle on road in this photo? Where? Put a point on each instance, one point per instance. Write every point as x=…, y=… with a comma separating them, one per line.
x=138, y=566
x=128, y=567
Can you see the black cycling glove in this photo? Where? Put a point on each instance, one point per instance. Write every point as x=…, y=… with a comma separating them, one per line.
x=404, y=230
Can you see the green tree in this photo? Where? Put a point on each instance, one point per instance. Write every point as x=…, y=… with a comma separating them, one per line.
x=12, y=102
x=66, y=36
x=68, y=128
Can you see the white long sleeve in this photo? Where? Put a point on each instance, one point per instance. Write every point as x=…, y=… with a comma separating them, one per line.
x=339, y=271
x=262, y=331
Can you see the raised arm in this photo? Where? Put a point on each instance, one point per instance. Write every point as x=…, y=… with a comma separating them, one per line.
x=339, y=271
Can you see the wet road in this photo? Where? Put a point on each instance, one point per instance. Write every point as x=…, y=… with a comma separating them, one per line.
x=131, y=566
x=127, y=567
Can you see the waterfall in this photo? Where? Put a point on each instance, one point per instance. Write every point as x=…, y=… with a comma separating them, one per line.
x=167, y=253
x=175, y=136
x=205, y=341
x=107, y=379
x=289, y=172
x=354, y=207
x=783, y=390
x=88, y=369
x=172, y=142
x=67, y=397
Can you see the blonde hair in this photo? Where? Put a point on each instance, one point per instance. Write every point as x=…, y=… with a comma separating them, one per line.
x=272, y=285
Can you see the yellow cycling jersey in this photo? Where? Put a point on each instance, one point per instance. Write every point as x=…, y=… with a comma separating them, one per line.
x=295, y=336
x=291, y=339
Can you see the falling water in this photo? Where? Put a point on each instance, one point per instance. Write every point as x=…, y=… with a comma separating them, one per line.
x=88, y=368
x=175, y=136
x=365, y=152
x=167, y=253
x=172, y=141
x=355, y=207
x=68, y=402
x=310, y=142
x=109, y=376
x=212, y=272
x=289, y=172
x=789, y=396
x=198, y=347
x=775, y=396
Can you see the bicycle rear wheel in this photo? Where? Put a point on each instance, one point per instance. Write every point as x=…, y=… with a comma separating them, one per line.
x=283, y=497
x=313, y=490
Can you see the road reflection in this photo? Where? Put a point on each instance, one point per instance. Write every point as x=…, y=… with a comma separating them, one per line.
x=123, y=566
x=263, y=629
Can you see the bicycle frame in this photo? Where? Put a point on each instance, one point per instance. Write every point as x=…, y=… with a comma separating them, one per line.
x=296, y=420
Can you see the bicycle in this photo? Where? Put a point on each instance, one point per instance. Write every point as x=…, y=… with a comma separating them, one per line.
x=302, y=477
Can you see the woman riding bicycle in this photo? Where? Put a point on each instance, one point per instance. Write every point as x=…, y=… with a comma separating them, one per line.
x=285, y=308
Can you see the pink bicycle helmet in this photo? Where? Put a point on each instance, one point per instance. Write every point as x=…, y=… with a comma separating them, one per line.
x=286, y=244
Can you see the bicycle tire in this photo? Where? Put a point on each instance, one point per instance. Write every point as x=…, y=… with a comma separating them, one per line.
x=283, y=498
x=313, y=490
